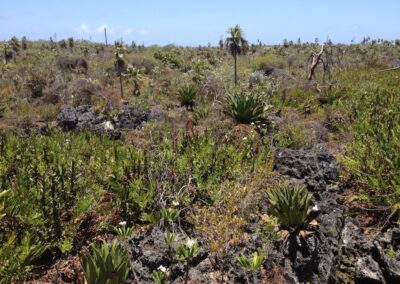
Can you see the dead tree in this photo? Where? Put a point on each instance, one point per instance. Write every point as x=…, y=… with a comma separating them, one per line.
x=315, y=59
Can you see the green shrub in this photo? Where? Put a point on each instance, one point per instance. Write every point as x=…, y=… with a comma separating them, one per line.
x=170, y=59
x=269, y=61
x=245, y=107
x=289, y=204
x=105, y=264
x=36, y=83
x=186, y=96
x=201, y=112
x=373, y=156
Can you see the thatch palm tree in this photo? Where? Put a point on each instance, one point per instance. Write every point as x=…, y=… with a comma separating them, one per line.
x=136, y=76
x=120, y=65
x=236, y=45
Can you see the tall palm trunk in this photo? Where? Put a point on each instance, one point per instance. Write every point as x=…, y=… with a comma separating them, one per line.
x=235, y=66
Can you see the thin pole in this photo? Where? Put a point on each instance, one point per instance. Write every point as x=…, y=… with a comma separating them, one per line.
x=105, y=34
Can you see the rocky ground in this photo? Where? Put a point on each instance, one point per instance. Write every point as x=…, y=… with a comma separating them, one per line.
x=297, y=139
x=335, y=247
x=83, y=117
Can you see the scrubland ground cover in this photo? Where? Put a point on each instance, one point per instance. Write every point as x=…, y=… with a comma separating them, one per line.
x=169, y=142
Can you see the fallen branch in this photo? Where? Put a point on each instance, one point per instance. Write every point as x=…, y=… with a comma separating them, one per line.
x=385, y=223
x=389, y=69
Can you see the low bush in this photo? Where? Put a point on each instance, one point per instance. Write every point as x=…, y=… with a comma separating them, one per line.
x=268, y=63
x=170, y=59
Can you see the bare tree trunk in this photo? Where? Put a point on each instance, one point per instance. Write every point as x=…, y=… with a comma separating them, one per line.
x=120, y=85
x=136, y=88
x=235, y=67
x=315, y=58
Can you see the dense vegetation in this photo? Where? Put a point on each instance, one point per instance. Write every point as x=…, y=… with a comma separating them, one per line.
x=203, y=166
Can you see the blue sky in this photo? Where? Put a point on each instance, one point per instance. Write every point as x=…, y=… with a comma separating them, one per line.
x=200, y=22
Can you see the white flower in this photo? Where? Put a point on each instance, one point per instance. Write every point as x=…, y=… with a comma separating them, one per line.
x=108, y=125
x=175, y=203
x=244, y=138
x=122, y=223
x=315, y=208
x=162, y=269
x=190, y=243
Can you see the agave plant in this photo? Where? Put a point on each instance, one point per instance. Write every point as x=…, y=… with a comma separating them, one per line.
x=290, y=205
x=252, y=264
x=185, y=252
x=19, y=257
x=106, y=264
x=170, y=214
x=186, y=96
x=160, y=275
x=245, y=107
x=123, y=230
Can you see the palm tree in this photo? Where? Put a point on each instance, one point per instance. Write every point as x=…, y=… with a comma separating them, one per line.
x=236, y=45
x=24, y=43
x=120, y=64
x=71, y=42
x=136, y=76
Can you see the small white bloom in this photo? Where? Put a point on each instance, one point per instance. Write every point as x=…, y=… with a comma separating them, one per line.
x=190, y=243
x=122, y=223
x=244, y=138
x=108, y=125
x=162, y=269
x=175, y=203
x=315, y=208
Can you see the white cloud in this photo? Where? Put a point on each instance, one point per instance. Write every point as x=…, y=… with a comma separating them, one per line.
x=101, y=28
x=83, y=29
x=144, y=32
x=128, y=31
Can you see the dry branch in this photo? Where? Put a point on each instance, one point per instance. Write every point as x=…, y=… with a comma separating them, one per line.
x=315, y=59
x=389, y=69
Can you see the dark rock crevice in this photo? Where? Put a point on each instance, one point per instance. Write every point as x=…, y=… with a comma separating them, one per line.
x=338, y=251
x=85, y=118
